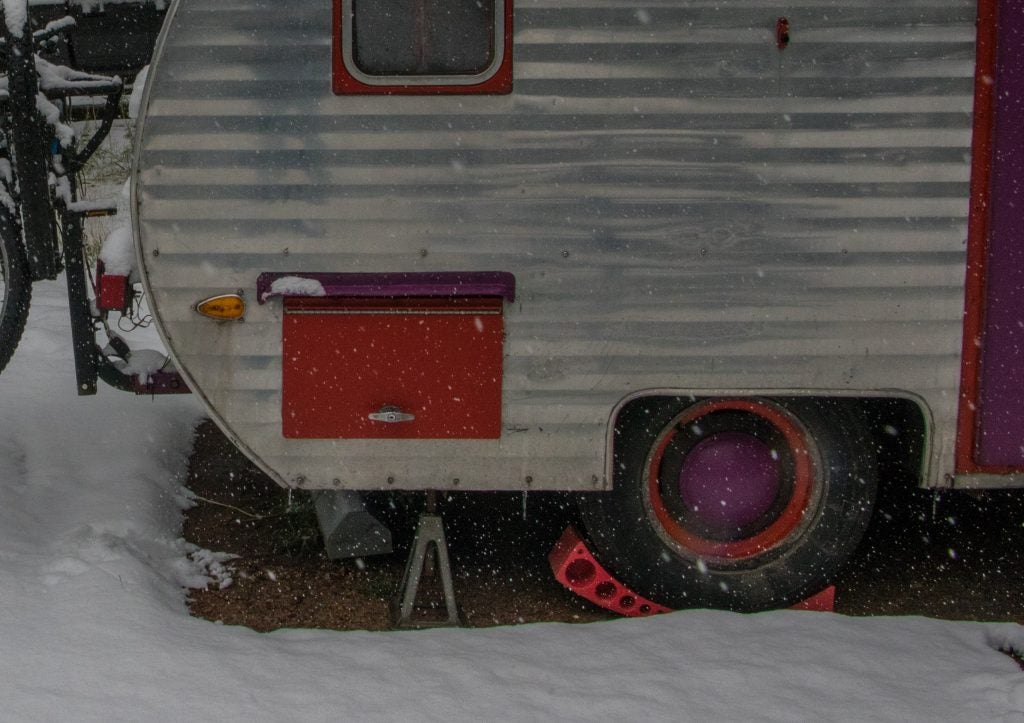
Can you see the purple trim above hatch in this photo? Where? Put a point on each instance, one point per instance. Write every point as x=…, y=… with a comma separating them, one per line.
x=398, y=284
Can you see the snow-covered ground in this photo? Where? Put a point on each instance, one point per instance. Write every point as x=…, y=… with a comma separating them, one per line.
x=93, y=624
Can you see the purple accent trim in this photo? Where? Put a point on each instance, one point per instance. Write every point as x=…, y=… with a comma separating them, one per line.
x=729, y=480
x=161, y=383
x=399, y=284
x=1001, y=397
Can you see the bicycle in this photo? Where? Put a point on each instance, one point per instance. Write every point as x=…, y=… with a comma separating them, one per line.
x=41, y=215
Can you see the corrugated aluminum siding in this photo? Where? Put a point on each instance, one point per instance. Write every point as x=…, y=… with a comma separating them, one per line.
x=684, y=207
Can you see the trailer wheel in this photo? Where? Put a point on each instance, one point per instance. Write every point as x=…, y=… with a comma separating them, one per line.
x=744, y=504
x=15, y=288
x=28, y=147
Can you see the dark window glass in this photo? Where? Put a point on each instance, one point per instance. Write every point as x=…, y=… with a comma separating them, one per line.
x=423, y=37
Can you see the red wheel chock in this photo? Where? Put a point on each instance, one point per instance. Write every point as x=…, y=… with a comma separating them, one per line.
x=575, y=567
x=822, y=602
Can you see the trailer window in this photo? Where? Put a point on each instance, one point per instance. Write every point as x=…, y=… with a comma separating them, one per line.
x=422, y=46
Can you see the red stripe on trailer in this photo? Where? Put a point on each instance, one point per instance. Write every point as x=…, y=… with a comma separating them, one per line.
x=981, y=381
x=977, y=234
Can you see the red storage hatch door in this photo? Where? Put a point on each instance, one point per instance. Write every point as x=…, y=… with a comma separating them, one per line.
x=381, y=368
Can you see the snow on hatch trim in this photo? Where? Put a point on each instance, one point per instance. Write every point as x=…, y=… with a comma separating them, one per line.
x=294, y=286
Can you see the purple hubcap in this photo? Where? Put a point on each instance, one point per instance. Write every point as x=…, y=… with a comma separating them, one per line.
x=729, y=480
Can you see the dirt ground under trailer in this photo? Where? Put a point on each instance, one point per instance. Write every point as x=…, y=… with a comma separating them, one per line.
x=955, y=555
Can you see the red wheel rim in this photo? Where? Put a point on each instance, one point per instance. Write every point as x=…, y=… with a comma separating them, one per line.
x=784, y=523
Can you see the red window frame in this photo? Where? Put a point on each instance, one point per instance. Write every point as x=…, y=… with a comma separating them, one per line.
x=347, y=79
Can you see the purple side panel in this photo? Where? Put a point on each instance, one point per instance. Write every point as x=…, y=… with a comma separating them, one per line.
x=1001, y=410
x=400, y=284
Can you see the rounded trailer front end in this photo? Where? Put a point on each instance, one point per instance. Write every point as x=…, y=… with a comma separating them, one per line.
x=494, y=276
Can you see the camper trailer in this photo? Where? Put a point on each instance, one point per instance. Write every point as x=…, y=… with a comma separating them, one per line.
x=699, y=263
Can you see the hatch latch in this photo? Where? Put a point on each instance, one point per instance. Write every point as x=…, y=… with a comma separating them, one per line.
x=390, y=414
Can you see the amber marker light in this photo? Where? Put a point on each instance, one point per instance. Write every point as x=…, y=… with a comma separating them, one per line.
x=226, y=307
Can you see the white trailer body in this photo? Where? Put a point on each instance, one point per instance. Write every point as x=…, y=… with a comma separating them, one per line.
x=714, y=263
x=688, y=207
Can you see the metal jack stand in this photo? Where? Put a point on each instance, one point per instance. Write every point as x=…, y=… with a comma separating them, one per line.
x=428, y=545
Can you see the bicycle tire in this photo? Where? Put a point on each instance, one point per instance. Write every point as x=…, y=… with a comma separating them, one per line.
x=15, y=287
x=28, y=138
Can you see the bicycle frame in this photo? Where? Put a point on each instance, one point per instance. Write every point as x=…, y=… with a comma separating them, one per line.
x=46, y=189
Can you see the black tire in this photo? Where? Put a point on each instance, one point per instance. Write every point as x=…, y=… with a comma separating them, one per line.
x=801, y=500
x=15, y=288
x=29, y=137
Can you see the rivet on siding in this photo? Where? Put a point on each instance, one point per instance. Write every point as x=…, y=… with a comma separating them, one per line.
x=285, y=251
x=336, y=482
x=156, y=252
x=565, y=254
x=299, y=479
x=594, y=479
x=703, y=252
x=529, y=480
x=455, y=482
x=423, y=252
x=391, y=480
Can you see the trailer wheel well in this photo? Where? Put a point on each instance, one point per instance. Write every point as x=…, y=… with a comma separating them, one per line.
x=897, y=425
x=785, y=527
x=745, y=502
x=899, y=430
